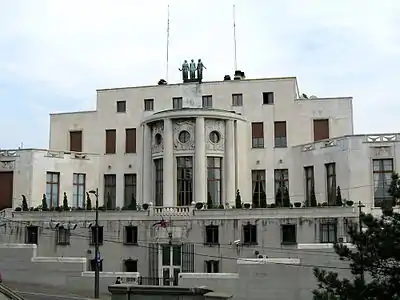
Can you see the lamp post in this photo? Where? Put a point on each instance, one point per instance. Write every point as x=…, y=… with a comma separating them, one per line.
x=96, y=247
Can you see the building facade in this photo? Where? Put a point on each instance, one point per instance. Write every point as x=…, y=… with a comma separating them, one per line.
x=181, y=154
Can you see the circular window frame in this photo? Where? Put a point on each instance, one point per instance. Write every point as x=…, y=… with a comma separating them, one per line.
x=216, y=134
x=158, y=139
x=184, y=133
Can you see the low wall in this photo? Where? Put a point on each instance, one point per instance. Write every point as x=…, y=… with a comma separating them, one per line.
x=19, y=263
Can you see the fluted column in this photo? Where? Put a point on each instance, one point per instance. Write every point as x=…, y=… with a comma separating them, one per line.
x=230, y=165
x=147, y=165
x=200, y=162
x=168, y=165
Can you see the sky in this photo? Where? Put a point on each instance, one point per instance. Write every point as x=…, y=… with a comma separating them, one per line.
x=54, y=54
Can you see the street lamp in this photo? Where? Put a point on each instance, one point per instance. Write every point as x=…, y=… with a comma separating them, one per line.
x=96, y=247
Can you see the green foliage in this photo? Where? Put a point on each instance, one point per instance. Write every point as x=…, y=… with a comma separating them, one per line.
x=88, y=202
x=24, y=204
x=339, y=201
x=209, y=201
x=238, y=200
x=44, y=203
x=377, y=253
x=286, y=197
x=394, y=189
x=313, y=198
x=65, y=202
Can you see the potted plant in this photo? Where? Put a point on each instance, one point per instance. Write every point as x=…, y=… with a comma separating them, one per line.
x=247, y=205
x=24, y=203
x=297, y=204
x=349, y=203
x=44, y=203
x=221, y=206
x=238, y=200
x=88, y=202
x=339, y=201
x=199, y=205
x=145, y=206
x=324, y=204
x=65, y=203
x=209, y=202
x=313, y=198
x=18, y=209
x=273, y=205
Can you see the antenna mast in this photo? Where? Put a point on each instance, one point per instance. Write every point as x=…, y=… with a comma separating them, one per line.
x=234, y=34
x=166, y=77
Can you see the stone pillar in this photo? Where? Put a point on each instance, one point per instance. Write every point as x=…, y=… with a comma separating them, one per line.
x=200, y=162
x=147, y=165
x=168, y=165
x=230, y=163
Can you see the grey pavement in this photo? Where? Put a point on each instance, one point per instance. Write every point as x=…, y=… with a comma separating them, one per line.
x=36, y=292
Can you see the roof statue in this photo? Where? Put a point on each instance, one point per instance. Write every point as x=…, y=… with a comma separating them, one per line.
x=189, y=71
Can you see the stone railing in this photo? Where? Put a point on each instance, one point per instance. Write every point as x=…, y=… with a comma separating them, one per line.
x=172, y=210
x=382, y=138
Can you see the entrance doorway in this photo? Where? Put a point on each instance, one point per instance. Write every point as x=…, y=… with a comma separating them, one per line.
x=171, y=264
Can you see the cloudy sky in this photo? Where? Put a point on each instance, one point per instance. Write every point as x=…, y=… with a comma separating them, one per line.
x=55, y=53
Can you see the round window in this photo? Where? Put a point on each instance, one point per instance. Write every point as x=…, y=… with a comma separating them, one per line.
x=158, y=139
x=184, y=136
x=214, y=136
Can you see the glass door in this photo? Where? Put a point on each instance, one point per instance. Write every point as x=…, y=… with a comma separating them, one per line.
x=171, y=263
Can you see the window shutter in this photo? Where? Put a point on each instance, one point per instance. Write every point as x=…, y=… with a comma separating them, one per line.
x=130, y=140
x=188, y=258
x=257, y=130
x=111, y=136
x=280, y=129
x=321, y=129
x=75, y=141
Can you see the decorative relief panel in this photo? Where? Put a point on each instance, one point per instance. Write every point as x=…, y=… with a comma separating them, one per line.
x=381, y=152
x=215, y=135
x=157, y=138
x=7, y=165
x=184, y=135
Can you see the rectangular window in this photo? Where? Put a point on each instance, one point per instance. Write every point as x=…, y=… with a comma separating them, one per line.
x=177, y=102
x=268, y=98
x=111, y=140
x=185, y=180
x=289, y=235
x=309, y=176
x=214, y=174
x=211, y=266
x=237, y=99
x=321, y=129
x=280, y=134
x=79, y=189
x=110, y=191
x=250, y=234
x=159, y=181
x=281, y=178
x=93, y=235
x=257, y=134
x=382, y=173
x=130, y=140
x=130, y=265
x=53, y=189
x=63, y=236
x=258, y=187
x=121, y=106
x=328, y=231
x=32, y=235
x=131, y=235
x=75, y=141
x=130, y=191
x=331, y=183
x=148, y=104
x=93, y=265
x=207, y=101
x=212, y=237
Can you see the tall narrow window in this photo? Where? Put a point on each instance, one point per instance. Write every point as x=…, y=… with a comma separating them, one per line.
x=130, y=191
x=281, y=177
x=214, y=173
x=177, y=102
x=258, y=188
x=185, y=180
x=207, y=101
x=309, y=176
x=331, y=183
x=79, y=184
x=75, y=141
x=110, y=191
x=257, y=135
x=130, y=140
x=382, y=172
x=328, y=231
x=321, y=129
x=280, y=134
x=53, y=189
x=111, y=139
x=159, y=181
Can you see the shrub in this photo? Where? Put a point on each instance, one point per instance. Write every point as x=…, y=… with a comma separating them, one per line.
x=238, y=200
x=44, y=203
x=65, y=203
x=24, y=203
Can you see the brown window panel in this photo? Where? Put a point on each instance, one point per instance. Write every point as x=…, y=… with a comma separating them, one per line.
x=257, y=130
x=130, y=140
x=111, y=139
x=75, y=141
x=321, y=129
x=280, y=129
